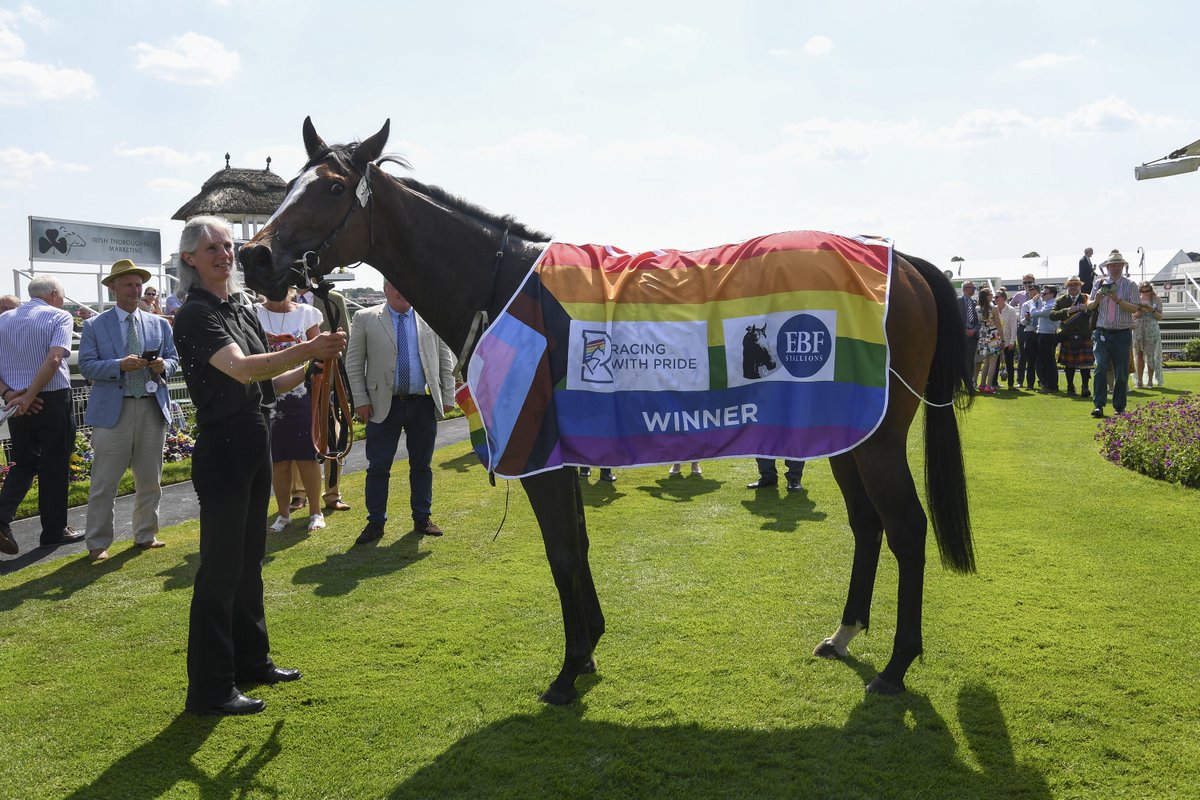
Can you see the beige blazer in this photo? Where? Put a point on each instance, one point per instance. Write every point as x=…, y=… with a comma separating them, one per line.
x=371, y=362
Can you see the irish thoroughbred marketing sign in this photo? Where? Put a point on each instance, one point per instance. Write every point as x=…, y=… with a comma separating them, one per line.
x=71, y=242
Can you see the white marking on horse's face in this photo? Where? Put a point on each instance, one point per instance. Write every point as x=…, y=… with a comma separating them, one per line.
x=302, y=183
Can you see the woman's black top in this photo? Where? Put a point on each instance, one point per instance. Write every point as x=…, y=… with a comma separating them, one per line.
x=203, y=325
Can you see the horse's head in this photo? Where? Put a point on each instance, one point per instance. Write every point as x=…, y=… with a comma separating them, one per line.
x=315, y=229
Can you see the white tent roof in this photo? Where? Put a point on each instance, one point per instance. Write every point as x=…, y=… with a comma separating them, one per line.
x=1160, y=265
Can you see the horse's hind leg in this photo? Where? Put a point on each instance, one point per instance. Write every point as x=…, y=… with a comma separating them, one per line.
x=883, y=464
x=591, y=602
x=868, y=539
x=558, y=507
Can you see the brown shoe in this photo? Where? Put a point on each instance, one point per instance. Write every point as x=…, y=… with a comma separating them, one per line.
x=426, y=527
x=7, y=543
x=153, y=544
x=337, y=505
x=296, y=504
x=97, y=555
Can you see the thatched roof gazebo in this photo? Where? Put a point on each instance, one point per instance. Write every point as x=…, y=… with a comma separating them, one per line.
x=245, y=196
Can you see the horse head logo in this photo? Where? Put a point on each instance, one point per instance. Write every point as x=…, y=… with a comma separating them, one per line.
x=756, y=354
x=596, y=355
x=59, y=239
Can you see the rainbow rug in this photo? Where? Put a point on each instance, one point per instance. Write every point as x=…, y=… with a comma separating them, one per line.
x=773, y=347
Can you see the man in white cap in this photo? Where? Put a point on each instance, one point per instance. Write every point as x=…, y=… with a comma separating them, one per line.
x=1115, y=300
x=128, y=354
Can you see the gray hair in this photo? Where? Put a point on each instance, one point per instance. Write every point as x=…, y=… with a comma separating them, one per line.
x=189, y=240
x=44, y=286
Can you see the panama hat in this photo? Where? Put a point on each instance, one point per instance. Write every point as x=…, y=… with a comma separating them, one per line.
x=1115, y=257
x=1074, y=281
x=124, y=267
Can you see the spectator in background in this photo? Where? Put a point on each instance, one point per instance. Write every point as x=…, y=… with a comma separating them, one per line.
x=1047, y=369
x=675, y=473
x=1027, y=363
x=149, y=301
x=1087, y=272
x=989, y=340
x=768, y=474
x=1018, y=300
x=970, y=319
x=1009, y=330
x=8, y=302
x=128, y=408
x=1147, y=337
x=1114, y=302
x=287, y=324
x=172, y=305
x=1075, y=335
x=400, y=375
x=33, y=369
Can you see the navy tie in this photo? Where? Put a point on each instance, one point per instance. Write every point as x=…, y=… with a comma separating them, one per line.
x=403, y=379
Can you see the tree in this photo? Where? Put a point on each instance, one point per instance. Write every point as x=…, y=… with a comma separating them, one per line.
x=1031, y=254
x=958, y=258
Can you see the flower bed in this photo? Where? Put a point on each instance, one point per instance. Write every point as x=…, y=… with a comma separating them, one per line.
x=1160, y=439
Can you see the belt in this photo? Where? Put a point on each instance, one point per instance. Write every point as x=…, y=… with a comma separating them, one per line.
x=140, y=397
x=1114, y=330
x=408, y=396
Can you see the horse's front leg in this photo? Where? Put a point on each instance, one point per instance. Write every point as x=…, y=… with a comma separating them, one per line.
x=868, y=539
x=557, y=506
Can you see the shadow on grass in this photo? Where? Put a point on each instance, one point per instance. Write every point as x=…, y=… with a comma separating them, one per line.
x=679, y=489
x=461, y=463
x=341, y=573
x=75, y=573
x=888, y=747
x=158, y=766
x=783, y=512
x=600, y=493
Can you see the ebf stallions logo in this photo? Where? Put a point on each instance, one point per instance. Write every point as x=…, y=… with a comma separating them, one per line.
x=804, y=345
x=597, y=351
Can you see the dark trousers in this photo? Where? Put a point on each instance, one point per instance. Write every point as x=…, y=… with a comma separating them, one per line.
x=1005, y=354
x=416, y=419
x=227, y=633
x=1085, y=375
x=969, y=359
x=1025, y=364
x=1047, y=367
x=1111, y=348
x=768, y=471
x=42, y=445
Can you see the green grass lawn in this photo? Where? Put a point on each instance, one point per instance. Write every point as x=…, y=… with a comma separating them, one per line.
x=1068, y=667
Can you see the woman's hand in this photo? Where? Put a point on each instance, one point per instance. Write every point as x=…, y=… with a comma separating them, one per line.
x=328, y=345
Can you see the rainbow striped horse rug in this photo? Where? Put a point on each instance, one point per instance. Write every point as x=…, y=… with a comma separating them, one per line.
x=773, y=347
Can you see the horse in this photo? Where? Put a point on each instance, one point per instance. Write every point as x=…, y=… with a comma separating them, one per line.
x=756, y=355
x=458, y=264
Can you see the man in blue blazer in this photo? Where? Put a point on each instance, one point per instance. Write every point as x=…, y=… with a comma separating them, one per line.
x=127, y=354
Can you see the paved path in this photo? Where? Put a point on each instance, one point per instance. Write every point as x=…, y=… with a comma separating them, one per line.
x=179, y=504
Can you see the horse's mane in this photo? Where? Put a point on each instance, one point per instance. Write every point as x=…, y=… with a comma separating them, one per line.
x=343, y=156
x=470, y=209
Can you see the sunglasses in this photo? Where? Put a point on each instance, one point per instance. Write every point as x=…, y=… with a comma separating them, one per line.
x=1029, y=283
x=151, y=294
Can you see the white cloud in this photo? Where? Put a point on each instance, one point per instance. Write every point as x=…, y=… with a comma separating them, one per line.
x=818, y=45
x=161, y=154
x=170, y=185
x=984, y=125
x=542, y=141
x=18, y=167
x=24, y=81
x=679, y=34
x=846, y=140
x=779, y=52
x=191, y=58
x=1111, y=114
x=286, y=159
x=1045, y=60
x=674, y=146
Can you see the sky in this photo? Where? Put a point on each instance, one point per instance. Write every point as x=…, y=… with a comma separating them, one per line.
x=976, y=129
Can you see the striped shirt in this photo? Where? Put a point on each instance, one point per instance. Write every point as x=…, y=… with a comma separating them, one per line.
x=1108, y=314
x=26, y=336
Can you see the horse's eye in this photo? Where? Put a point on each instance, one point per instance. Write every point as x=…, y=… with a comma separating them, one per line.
x=336, y=189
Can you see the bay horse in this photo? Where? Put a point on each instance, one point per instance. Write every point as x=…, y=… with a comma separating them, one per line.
x=453, y=260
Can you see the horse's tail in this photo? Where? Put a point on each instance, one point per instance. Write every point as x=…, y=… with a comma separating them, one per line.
x=945, y=475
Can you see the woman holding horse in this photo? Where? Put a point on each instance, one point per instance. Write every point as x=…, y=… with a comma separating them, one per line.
x=233, y=379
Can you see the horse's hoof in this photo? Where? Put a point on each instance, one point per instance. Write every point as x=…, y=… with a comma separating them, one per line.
x=881, y=685
x=826, y=649
x=589, y=667
x=556, y=697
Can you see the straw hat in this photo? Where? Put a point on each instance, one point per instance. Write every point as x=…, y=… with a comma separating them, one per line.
x=124, y=267
x=1115, y=257
x=1074, y=281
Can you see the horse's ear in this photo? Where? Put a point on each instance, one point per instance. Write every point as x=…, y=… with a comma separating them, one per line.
x=313, y=143
x=372, y=148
